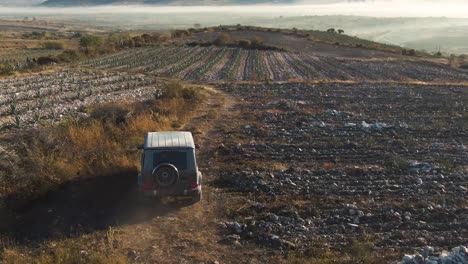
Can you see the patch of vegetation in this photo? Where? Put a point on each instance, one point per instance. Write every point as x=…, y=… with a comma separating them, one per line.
x=222, y=40
x=100, y=144
x=6, y=69
x=54, y=45
x=358, y=253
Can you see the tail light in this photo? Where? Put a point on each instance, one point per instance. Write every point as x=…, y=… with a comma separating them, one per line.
x=194, y=185
x=146, y=186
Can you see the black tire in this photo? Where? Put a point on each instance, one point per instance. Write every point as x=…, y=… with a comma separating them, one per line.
x=166, y=175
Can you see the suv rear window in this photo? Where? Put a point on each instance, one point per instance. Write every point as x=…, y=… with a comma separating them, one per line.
x=176, y=158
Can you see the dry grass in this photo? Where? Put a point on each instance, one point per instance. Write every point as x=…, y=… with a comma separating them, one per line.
x=358, y=253
x=62, y=256
x=278, y=166
x=103, y=250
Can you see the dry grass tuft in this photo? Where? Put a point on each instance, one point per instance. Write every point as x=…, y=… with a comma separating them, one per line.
x=358, y=253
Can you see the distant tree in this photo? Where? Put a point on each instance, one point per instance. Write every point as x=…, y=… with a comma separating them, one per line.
x=90, y=41
x=331, y=30
x=412, y=52
x=340, y=31
x=222, y=39
x=197, y=25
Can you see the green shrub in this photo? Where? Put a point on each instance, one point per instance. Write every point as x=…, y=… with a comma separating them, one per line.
x=90, y=41
x=6, y=69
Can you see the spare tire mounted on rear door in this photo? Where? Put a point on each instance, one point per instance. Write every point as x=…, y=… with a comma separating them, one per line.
x=165, y=174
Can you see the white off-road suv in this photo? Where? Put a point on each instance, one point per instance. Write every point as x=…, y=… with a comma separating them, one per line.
x=169, y=166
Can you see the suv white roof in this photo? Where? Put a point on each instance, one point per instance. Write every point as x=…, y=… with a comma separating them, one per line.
x=169, y=139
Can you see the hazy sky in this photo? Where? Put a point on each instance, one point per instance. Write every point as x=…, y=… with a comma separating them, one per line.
x=379, y=8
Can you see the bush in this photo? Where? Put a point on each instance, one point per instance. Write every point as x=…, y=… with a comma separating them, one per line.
x=46, y=60
x=222, y=39
x=90, y=41
x=256, y=42
x=176, y=89
x=164, y=38
x=53, y=45
x=180, y=33
x=244, y=43
x=410, y=52
x=70, y=56
x=6, y=69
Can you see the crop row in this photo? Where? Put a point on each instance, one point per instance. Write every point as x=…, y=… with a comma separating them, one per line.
x=213, y=64
x=48, y=97
x=23, y=58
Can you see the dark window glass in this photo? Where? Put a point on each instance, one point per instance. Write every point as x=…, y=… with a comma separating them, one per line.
x=176, y=158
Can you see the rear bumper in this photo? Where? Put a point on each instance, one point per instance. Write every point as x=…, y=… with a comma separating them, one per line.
x=165, y=193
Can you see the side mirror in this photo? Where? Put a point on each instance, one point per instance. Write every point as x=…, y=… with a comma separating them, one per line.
x=197, y=146
x=140, y=146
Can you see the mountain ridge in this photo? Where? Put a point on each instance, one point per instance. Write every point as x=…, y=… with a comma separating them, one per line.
x=61, y=3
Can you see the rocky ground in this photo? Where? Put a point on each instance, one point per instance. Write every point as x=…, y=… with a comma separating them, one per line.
x=324, y=165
